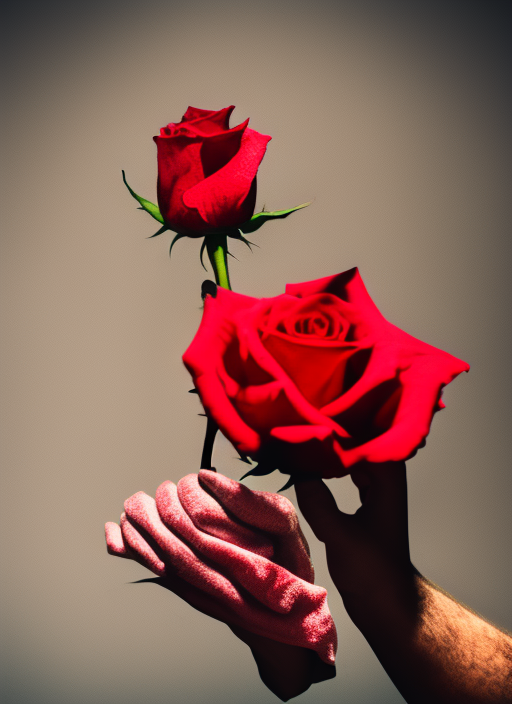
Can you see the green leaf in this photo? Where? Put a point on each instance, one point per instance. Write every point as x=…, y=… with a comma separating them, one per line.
x=147, y=205
x=259, y=219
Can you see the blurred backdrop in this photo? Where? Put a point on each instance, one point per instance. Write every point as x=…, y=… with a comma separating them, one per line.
x=393, y=115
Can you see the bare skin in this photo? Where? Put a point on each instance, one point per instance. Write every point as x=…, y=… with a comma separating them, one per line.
x=433, y=648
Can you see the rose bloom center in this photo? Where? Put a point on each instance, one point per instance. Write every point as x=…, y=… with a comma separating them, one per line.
x=308, y=340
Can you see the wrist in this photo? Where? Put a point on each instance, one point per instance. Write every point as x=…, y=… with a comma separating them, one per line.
x=385, y=603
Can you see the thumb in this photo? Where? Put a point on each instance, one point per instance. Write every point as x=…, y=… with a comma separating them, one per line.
x=383, y=489
x=319, y=508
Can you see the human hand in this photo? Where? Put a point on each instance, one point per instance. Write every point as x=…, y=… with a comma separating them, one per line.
x=239, y=556
x=433, y=648
x=368, y=551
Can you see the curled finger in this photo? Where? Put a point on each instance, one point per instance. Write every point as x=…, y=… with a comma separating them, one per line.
x=268, y=582
x=272, y=513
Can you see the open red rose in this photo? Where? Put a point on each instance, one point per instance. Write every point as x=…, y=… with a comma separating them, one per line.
x=207, y=171
x=316, y=380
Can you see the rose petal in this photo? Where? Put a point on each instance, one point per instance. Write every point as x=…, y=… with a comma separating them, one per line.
x=419, y=399
x=317, y=371
x=381, y=367
x=220, y=148
x=349, y=287
x=186, y=157
x=264, y=406
x=221, y=199
x=247, y=331
x=215, y=335
x=209, y=120
x=196, y=120
x=216, y=330
x=301, y=433
x=179, y=168
x=213, y=396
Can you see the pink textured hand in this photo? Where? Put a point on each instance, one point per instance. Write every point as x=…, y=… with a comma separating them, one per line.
x=235, y=554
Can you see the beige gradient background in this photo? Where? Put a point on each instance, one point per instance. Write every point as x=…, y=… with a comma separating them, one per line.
x=394, y=116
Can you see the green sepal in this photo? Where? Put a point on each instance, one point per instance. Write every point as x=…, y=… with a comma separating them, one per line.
x=297, y=478
x=163, y=229
x=146, y=205
x=258, y=219
x=175, y=239
x=240, y=236
x=289, y=483
x=201, y=252
x=260, y=470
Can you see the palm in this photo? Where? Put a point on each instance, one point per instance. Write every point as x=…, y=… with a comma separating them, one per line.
x=364, y=548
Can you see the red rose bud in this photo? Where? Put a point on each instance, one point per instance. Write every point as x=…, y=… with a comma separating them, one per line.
x=207, y=171
x=207, y=177
x=316, y=380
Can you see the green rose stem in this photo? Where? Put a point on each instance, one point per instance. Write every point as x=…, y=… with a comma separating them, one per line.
x=217, y=248
x=209, y=438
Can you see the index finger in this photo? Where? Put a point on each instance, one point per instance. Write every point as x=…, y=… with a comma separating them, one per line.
x=319, y=508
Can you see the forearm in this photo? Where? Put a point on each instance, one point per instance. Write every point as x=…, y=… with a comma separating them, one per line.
x=433, y=648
